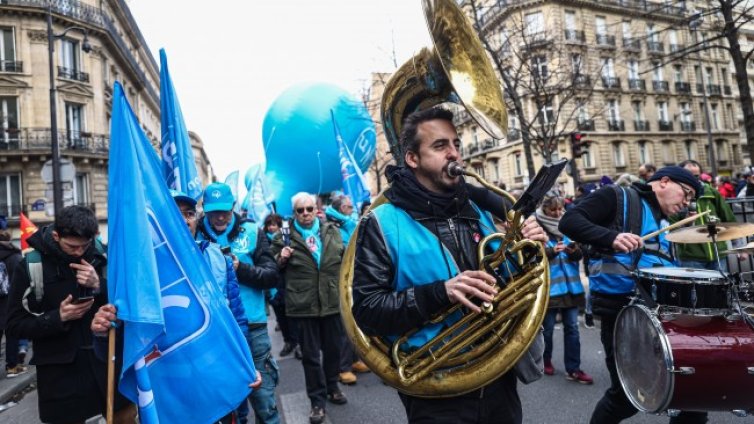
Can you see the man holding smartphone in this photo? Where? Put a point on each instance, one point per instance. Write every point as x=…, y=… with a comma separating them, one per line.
x=70, y=381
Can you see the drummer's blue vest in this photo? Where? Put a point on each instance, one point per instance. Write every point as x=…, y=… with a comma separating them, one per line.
x=612, y=274
x=242, y=247
x=417, y=260
x=564, y=273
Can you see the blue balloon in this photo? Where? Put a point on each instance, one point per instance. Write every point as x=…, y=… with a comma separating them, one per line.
x=299, y=140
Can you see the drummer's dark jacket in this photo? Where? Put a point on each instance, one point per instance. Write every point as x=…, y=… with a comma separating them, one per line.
x=378, y=308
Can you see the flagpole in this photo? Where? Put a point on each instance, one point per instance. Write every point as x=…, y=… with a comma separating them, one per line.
x=110, y=374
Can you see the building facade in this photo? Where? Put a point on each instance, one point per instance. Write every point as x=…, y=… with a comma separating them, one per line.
x=643, y=98
x=85, y=67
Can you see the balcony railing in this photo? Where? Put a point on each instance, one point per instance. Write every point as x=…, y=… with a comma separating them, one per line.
x=11, y=66
x=473, y=148
x=637, y=85
x=611, y=82
x=700, y=88
x=631, y=44
x=489, y=143
x=582, y=81
x=727, y=91
x=683, y=87
x=514, y=134
x=675, y=48
x=575, y=36
x=714, y=90
x=660, y=86
x=655, y=47
x=665, y=125
x=605, y=40
x=72, y=74
x=616, y=125
x=585, y=125
x=39, y=140
x=688, y=126
x=534, y=40
x=640, y=125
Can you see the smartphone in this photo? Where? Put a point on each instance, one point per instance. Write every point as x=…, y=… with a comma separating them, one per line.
x=84, y=295
x=225, y=250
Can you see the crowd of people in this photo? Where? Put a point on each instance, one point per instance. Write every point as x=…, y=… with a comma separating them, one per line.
x=416, y=256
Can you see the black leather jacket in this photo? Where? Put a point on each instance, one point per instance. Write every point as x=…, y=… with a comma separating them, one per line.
x=377, y=308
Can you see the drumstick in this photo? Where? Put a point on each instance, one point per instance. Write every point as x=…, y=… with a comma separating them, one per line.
x=674, y=226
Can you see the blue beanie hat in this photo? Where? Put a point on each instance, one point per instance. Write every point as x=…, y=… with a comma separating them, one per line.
x=679, y=175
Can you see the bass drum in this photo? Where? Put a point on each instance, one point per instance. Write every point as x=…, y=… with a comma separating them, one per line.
x=684, y=362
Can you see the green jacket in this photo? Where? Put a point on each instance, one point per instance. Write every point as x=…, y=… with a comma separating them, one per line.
x=711, y=200
x=311, y=292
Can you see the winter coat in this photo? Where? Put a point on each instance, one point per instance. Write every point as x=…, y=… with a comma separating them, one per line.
x=11, y=256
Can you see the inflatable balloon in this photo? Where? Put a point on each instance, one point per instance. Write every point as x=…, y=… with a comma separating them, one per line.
x=299, y=140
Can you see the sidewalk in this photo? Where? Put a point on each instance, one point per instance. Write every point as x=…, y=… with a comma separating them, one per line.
x=9, y=387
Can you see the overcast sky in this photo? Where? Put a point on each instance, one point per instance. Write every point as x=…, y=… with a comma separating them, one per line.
x=229, y=60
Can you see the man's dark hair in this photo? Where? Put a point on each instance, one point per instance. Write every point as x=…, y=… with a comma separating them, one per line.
x=409, y=140
x=691, y=162
x=273, y=218
x=649, y=167
x=76, y=221
x=338, y=202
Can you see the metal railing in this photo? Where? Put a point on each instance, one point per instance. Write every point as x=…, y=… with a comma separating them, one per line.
x=660, y=86
x=675, y=48
x=605, y=40
x=727, y=90
x=581, y=80
x=631, y=44
x=514, y=134
x=585, y=125
x=575, y=36
x=72, y=74
x=616, y=125
x=11, y=66
x=637, y=85
x=688, y=126
x=40, y=139
x=655, y=47
x=665, y=125
x=611, y=82
x=683, y=87
x=714, y=90
x=641, y=125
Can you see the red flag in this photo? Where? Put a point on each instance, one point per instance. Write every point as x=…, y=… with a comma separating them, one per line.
x=27, y=229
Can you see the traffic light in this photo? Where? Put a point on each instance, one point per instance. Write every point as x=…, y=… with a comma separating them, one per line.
x=579, y=146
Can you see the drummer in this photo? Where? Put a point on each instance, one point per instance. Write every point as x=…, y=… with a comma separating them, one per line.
x=612, y=220
x=702, y=255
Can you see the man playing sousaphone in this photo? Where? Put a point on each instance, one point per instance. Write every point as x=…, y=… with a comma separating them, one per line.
x=417, y=255
x=613, y=220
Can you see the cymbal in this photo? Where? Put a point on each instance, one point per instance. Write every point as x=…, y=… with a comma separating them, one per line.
x=699, y=234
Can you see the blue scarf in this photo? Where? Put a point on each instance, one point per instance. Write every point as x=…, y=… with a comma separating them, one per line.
x=270, y=235
x=311, y=238
x=221, y=239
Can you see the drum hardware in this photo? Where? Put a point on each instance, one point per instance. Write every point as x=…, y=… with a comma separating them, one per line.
x=673, y=412
x=684, y=290
x=684, y=370
x=740, y=413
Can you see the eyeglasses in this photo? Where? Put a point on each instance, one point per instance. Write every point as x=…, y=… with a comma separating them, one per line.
x=190, y=215
x=309, y=209
x=688, y=193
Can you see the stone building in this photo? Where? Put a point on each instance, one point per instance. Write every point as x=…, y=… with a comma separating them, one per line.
x=642, y=100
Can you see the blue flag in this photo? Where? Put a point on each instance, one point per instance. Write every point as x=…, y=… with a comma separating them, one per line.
x=257, y=202
x=177, y=157
x=354, y=185
x=232, y=181
x=184, y=356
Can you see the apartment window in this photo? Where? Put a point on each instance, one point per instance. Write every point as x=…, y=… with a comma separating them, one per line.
x=70, y=55
x=638, y=111
x=644, y=155
x=657, y=71
x=576, y=64
x=545, y=116
x=652, y=36
x=583, y=112
x=730, y=116
x=570, y=21
x=535, y=23
x=714, y=117
x=493, y=163
x=588, y=160
x=620, y=159
x=512, y=122
x=8, y=120
x=600, y=27
x=7, y=49
x=539, y=66
x=74, y=119
x=662, y=111
x=10, y=195
x=81, y=189
x=518, y=166
x=613, y=111
x=724, y=76
x=608, y=67
x=474, y=136
x=633, y=69
x=627, y=30
x=689, y=148
x=672, y=37
x=685, y=112
x=709, y=75
x=678, y=73
x=721, y=148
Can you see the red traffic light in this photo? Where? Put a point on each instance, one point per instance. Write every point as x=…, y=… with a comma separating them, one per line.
x=579, y=146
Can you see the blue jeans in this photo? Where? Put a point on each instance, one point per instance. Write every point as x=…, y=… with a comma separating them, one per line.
x=263, y=398
x=572, y=345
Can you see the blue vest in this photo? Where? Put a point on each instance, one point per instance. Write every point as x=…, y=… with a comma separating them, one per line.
x=611, y=275
x=243, y=247
x=564, y=273
x=417, y=260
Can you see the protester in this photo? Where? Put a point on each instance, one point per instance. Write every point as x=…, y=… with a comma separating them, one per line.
x=272, y=224
x=747, y=189
x=566, y=291
x=726, y=188
x=426, y=202
x=601, y=221
x=311, y=268
x=10, y=256
x=646, y=171
x=256, y=273
x=71, y=382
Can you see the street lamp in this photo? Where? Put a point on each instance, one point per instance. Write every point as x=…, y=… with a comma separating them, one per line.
x=694, y=23
x=57, y=187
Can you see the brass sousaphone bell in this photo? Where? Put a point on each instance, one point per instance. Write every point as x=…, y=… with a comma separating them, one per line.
x=480, y=347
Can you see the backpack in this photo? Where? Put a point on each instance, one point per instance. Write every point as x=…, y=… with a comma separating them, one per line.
x=4, y=280
x=36, y=275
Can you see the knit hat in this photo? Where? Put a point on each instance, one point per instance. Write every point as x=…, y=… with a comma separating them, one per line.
x=679, y=175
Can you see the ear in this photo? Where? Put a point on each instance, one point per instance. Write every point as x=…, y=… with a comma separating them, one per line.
x=412, y=159
x=55, y=236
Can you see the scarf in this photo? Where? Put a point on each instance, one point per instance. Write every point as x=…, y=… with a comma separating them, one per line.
x=549, y=223
x=221, y=239
x=407, y=193
x=311, y=238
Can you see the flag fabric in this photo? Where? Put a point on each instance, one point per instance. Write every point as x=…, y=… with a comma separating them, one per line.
x=27, y=229
x=177, y=157
x=257, y=202
x=184, y=356
x=232, y=181
x=354, y=185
